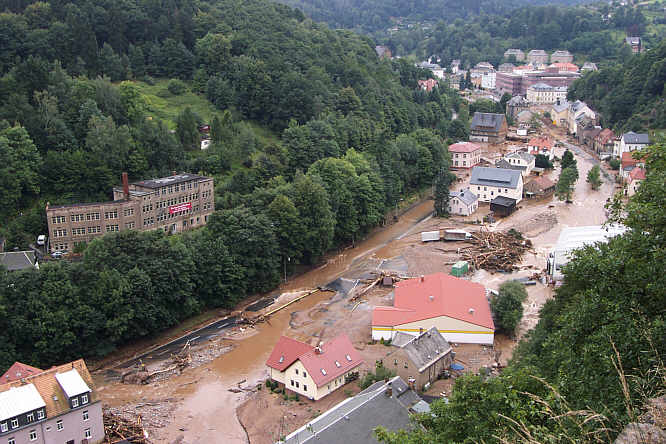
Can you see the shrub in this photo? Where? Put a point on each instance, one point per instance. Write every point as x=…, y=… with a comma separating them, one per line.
x=380, y=374
x=508, y=307
x=614, y=164
x=176, y=87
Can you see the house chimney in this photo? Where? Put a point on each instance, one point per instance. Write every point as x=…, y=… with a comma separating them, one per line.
x=318, y=350
x=471, y=311
x=125, y=186
x=389, y=391
x=422, y=278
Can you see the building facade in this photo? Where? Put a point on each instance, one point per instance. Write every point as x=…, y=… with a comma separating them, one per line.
x=463, y=203
x=525, y=161
x=172, y=204
x=56, y=406
x=632, y=141
x=419, y=359
x=543, y=94
x=537, y=57
x=464, y=155
x=488, y=80
x=488, y=183
x=488, y=127
x=516, y=53
x=561, y=57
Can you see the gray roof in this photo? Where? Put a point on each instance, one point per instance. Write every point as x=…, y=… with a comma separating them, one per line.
x=495, y=177
x=354, y=419
x=561, y=107
x=487, y=120
x=517, y=100
x=503, y=163
x=466, y=196
x=525, y=115
x=17, y=260
x=426, y=348
x=171, y=180
x=503, y=201
x=527, y=157
x=401, y=339
x=632, y=137
x=537, y=52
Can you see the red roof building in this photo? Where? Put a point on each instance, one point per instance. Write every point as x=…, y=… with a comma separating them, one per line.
x=427, y=85
x=17, y=371
x=541, y=145
x=636, y=177
x=628, y=164
x=313, y=372
x=637, y=174
x=465, y=155
x=458, y=308
x=562, y=66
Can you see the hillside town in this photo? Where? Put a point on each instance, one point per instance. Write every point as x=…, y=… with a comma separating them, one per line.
x=368, y=337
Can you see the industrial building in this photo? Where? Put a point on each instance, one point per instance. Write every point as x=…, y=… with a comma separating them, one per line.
x=173, y=204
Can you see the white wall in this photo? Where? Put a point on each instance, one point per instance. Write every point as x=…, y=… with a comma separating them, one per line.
x=462, y=338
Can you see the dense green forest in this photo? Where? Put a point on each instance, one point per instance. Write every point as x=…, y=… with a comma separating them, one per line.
x=376, y=15
x=313, y=140
x=629, y=95
x=596, y=354
x=586, y=32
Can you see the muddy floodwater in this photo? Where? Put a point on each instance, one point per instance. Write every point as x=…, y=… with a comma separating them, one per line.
x=200, y=400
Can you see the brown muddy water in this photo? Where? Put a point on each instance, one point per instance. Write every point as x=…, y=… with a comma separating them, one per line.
x=205, y=408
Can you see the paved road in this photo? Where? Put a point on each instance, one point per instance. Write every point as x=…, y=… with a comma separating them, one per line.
x=200, y=335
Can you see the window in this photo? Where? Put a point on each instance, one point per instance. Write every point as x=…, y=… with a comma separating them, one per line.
x=305, y=375
x=85, y=415
x=14, y=423
x=129, y=225
x=292, y=382
x=111, y=228
x=96, y=229
x=11, y=441
x=395, y=362
x=111, y=214
x=128, y=212
x=348, y=358
x=296, y=384
x=84, y=398
x=75, y=402
x=296, y=371
x=87, y=434
x=337, y=364
x=33, y=435
x=305, y=388
x=30, y=417
x=92, y=216
x=323, y=372
x=59, y=425
x=3, y=427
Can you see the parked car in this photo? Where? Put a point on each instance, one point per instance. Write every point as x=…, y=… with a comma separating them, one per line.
x=41, y=240
x=57, y=254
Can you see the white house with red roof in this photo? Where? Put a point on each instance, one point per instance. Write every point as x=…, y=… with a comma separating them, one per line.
x=459, y=309
x=313, y=372
x=636, y=178
x=464, y=155
x=541, y=145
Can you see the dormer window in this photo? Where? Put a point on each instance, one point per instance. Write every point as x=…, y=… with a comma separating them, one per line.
x=75, y=402
x=323, y=372
x=337, y=364
x=40, y=414
x=281, y=359
x=30, y=417
x=3, y=426
x=348, y=358
x=84, y=398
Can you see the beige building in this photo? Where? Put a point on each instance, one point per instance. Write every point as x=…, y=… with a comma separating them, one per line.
x=55, y=406
x=172, y=204
x=541, y=94
x=537, y=57
x=561, y=57
x=488, y=183
x=314, y=372
x=457, y=308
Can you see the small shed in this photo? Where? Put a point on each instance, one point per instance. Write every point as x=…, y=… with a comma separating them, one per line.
x=459, y=269
x=502, y=206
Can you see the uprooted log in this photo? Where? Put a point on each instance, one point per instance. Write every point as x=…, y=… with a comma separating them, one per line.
x=495, y=251
x=118, y=429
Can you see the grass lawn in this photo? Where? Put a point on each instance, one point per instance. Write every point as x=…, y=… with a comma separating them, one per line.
x=165, y=106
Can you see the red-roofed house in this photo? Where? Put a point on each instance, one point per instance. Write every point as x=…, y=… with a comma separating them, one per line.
x=603, y=143
x=313, y=372
x=564, y=66
x=464, y=155
x=458, y=308
x=427, y=85
x=628, y=164
x=636, y=178
x=541, y=145
x=17, y=371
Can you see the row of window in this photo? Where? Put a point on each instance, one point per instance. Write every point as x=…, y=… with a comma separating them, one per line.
x=296, y=384
x=30, y=417
x=506, y=190
x=148, y=221
x=176, y=200
x=112, y=228
x=59, y=232
x=63, y=246
x=206, y=194
x=87, y=434
x=81, y=217
x=128, y=212
x=179, y=187
x=111, y=214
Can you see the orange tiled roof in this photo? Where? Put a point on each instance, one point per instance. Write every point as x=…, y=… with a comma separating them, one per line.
x=54, y=397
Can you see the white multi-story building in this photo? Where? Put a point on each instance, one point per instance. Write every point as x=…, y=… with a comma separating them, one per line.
x=488, y=80
x=632, y=141
x=489, y=183
x=542, y=93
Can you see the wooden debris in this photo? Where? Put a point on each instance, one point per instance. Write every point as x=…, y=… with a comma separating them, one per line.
x=495, y=251
x=117, y=429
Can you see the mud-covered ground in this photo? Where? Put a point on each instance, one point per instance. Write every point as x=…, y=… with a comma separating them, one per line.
x=218, y=401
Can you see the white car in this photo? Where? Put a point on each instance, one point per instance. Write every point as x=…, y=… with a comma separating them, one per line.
x=41, y=239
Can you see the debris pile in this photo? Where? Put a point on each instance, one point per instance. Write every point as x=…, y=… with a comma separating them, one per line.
x=140, y=375
x=118, y=429
x=495, y=251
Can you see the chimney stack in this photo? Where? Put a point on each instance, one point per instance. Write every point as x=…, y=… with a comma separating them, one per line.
x=125, y=186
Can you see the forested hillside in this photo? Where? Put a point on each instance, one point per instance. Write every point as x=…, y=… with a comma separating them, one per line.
x=313, y=139
x=629, y=95
x=587, y=32
x=376, y=15
x=594, y=358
